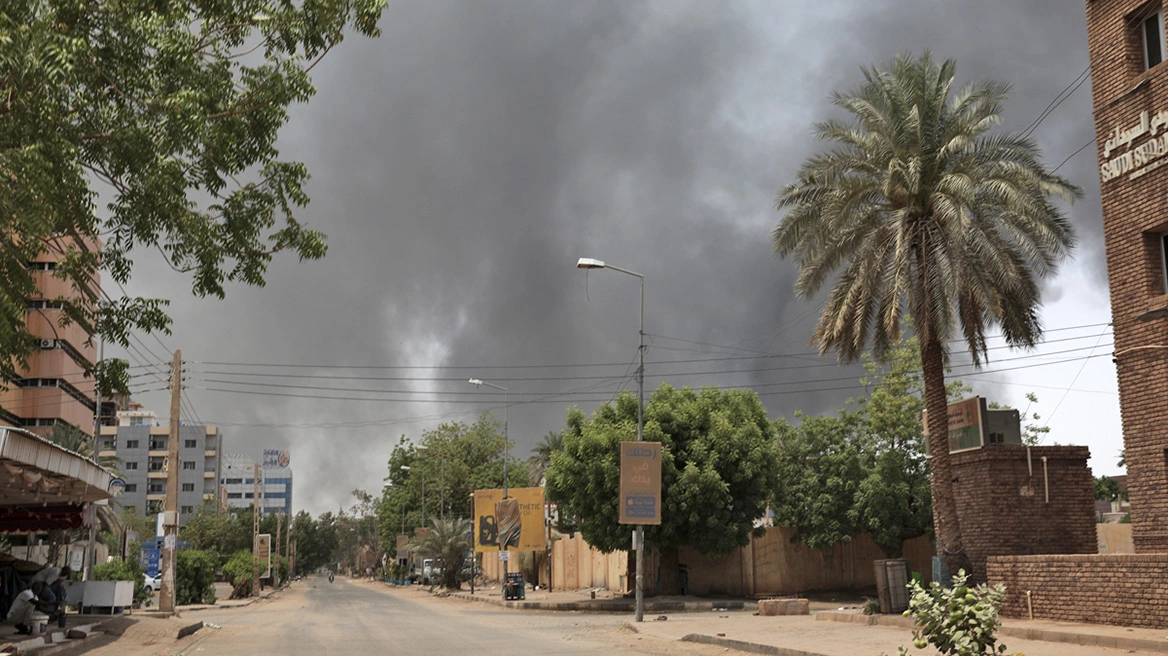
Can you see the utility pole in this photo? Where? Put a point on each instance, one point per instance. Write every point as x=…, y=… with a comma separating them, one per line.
x=255, y=531
x=90, y=556
x=170, y=516
x=291, y=556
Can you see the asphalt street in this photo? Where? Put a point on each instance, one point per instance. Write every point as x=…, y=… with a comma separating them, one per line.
x=355, y=618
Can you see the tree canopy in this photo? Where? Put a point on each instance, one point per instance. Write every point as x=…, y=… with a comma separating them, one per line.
x=168, y=113
x=719, y=468
x=917, y=209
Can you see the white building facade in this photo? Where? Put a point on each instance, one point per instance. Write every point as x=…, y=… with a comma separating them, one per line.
x=238, y=486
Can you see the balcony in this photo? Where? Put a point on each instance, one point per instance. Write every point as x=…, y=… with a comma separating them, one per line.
x=156, y=474
x=208, y=474
x=156, y=496
x=209, y=453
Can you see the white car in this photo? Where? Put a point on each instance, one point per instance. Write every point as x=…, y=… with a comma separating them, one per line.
x=153, y=583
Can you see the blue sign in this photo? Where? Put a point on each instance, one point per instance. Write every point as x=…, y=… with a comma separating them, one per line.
x=641, y=507
x=151, y=560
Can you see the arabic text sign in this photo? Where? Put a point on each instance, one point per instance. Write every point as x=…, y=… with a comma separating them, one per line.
x=486, y=523
x=276, y=459
x=640, y=483
x=263, y=553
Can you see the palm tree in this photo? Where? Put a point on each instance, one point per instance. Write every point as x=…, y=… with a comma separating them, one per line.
x=107, y=516
x=921, y=211
x=541, y=455
x=447, y=542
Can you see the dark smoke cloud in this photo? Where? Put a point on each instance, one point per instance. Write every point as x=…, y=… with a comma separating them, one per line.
x=464, y=161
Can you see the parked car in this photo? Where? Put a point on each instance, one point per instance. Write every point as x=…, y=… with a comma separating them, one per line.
x=153, y=583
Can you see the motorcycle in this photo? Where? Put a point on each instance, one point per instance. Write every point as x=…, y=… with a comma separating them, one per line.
x=330, y=577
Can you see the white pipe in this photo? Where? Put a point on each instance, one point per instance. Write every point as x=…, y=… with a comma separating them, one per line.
x=1029, y=606
x=1045, y=479
x=1029, y=464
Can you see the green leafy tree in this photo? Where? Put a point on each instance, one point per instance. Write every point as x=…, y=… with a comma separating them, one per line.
x=719, y=467
x=169, y=111
x=194, y=575
x=222, y=533
x=452, y=461
x=958, y=620
x=1107, y=489
x=316, y=540
x=240, y=570
x=918, y=209
x=125, y=570
x=541, y=454
x=448, y=543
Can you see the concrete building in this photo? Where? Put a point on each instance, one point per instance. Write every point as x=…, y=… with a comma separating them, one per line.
x=53, y=388
x=141, y=446
x=238, y=482
x=1129, y=79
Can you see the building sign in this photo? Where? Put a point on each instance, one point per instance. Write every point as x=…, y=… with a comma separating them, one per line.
x=151, y=557
x=263, y=553
x=518, y=520
x=1142, y=159
x=966, y=424
x=640, y=483
x=275, y=459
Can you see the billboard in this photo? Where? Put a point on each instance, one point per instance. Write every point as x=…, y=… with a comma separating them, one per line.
x=263, y=553
x=640, y=483
x=514, y=523
x=403, y=551
x=966, y=424
x=275, y=459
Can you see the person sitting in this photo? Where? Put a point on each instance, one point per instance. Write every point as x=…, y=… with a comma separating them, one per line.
x=23, y=607
x=54, y=592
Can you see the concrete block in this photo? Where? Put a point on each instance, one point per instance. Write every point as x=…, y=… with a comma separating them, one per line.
x=772, y=607
x=79, y=632
x=57, y=636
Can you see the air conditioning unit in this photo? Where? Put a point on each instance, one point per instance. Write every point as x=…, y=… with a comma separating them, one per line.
x=48, y=343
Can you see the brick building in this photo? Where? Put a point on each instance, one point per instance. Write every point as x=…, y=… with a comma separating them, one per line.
x=1129, y=78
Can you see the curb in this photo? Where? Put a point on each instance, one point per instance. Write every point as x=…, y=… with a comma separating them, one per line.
x=607, y=606
x=1022, y=632
x=742, y=645
x=188, y=630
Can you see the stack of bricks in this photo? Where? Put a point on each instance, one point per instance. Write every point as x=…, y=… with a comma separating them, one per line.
x=1003, y=507
x=1118, y=589
x=1129, y=101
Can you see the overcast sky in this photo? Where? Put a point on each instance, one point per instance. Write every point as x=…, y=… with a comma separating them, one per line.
x=462, y=163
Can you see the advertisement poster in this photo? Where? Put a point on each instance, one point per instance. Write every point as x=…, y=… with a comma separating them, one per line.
x=518, y=520
x=640, y=483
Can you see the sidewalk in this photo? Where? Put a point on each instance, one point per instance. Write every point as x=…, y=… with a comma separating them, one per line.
x=828, y=631
x=222, y=591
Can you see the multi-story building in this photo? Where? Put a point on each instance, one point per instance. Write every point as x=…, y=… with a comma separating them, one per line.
x=53, y=388
x=1129, y=79
x=141, y=447
x=238, y=482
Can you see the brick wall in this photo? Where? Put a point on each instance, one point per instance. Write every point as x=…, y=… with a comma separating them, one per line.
x=1118, y=589
x=1002, y=503
x=1135, y=212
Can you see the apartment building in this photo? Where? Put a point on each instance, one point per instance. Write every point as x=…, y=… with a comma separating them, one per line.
x=53, y=388
x=238, y=482
x=141, y=447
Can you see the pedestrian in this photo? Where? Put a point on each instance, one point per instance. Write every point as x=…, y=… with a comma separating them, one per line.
x=25, y=604
x=55, y=591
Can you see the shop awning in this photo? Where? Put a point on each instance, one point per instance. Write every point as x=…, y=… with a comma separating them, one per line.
x=34, y=471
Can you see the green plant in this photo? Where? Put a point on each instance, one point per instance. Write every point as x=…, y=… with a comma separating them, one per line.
x=240, y=570
x=871, y=606
x=195, y=577
x=959, y=620
x=125, y=570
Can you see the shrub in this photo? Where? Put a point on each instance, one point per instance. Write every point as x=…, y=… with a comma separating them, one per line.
x=958, y=621
x=195, y=577
x=125, y=570
x=239, y=570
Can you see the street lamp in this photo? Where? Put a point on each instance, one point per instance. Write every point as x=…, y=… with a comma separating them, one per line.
x=506, y=451
x=590, y=263
x=423, y=475
x=441, y=482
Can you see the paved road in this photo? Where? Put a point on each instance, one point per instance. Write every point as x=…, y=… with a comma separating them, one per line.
x=356, y=618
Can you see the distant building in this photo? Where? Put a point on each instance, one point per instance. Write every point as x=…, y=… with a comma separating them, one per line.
x=238, y=482
x=53, y=388
x=140, y=444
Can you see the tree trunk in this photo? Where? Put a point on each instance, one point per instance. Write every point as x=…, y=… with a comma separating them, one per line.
x=945, y=522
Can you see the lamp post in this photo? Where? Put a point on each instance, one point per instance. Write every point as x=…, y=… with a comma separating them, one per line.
x=639, y=532
x=423, y=475
x=506, y=450
x=441, y=482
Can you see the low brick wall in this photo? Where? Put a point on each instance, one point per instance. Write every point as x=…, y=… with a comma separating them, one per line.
x=1117, y=589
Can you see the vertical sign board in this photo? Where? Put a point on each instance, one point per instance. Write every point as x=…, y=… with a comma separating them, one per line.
x=966, y=424
x=151, y=560
x=403, y=547
x=528, y=503
x=640, y=483
x=263, y=553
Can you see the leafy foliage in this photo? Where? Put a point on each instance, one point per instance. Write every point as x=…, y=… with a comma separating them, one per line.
x=917, y=209
x=960, y=620
x=1107, y=489
x=169, y=111
x=447, y=542
x=239, y=570
x=719, y=467
x=316, y=540
x=452, y=461
x=195, y=577
x=541, y=455
x=125, y=570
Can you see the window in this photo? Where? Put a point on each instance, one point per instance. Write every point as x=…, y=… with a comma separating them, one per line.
x=1153, y=39
x=131, y=487
x=232, y=481
x=131, y=444
x=157, y=465
x=158, y=445
x=107, y=444
x=247, y=495
x=188, y=487
x=190, y=444
x=188, y=510
x=234, y=495
x=156, y=488
x=190, y=464
x=155, y=507
x=130, y=465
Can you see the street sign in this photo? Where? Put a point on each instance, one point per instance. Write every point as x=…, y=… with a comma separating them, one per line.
x=169, y=541
x=263, y=553
x=640, y=483
x=504, y=556
x=151, y=557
